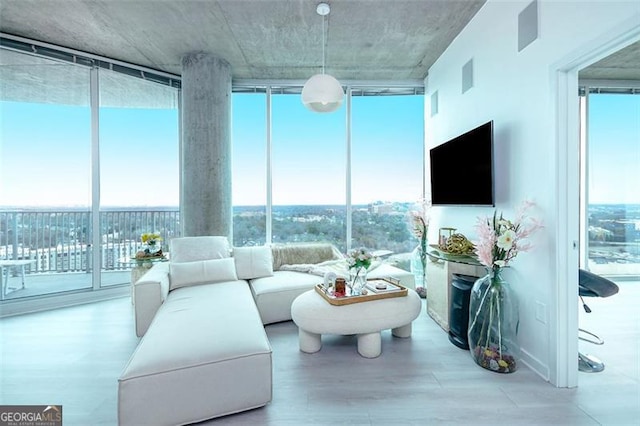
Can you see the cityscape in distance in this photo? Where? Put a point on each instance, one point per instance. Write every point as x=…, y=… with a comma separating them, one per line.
x=614, y=235
x=614, y=230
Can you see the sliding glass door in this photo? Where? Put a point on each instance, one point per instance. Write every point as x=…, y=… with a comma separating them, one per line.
x=74, y=200
x=45, y=193
x=139, y=177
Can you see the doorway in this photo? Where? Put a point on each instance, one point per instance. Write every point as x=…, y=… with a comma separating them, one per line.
x=568, y=182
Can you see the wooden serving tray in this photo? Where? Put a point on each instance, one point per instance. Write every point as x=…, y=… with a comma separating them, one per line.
x=348, y=300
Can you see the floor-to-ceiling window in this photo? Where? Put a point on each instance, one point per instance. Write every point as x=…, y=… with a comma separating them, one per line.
x=249, y=168
x=113, y=168
x=139, y=162
x=45, y=193
x=308, y=174
x=88, y=161
x=387, y=169
x=611, y=173
x=312, y=174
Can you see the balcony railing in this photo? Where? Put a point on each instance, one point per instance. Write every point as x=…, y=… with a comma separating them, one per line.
x=62, y=240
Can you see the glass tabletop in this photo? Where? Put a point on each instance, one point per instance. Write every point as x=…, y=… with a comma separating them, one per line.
x=147, y=259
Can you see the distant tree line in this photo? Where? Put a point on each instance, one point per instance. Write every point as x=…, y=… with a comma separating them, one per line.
x=320, y=224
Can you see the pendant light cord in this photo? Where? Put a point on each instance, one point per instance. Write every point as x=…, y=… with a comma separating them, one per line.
x=323, y=54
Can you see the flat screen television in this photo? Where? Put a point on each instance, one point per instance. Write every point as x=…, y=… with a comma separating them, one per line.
x=462, y=169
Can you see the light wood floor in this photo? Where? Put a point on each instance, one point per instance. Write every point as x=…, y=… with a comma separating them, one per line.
x=73, y=357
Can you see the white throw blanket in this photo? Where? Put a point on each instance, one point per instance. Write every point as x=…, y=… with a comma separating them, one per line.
x=339, y=267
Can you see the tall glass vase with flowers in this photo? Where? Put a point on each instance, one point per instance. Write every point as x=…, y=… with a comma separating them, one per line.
x=418, y=221
x=493, y=308
x=359, y=260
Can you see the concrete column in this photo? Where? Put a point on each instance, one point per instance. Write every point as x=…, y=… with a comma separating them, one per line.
x=206, y=146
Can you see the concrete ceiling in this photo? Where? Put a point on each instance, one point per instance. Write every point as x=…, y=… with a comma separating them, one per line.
x=366, y=40
x=621, y=65
x=261, y=39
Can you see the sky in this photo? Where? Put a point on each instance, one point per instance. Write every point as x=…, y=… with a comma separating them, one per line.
x=614, y=149
x=45, y=153
x=48, y=163
x=309, y=151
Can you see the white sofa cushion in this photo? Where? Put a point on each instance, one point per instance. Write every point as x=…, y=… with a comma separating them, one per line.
x=185, y=274
x=274, y=295
x=205, y=355
x=190, y=249
x=253, y=262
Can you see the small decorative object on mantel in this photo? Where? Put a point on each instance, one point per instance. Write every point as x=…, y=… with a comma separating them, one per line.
x=458, y=244
x=418, y=220
x=493, y=308
x=443, y=235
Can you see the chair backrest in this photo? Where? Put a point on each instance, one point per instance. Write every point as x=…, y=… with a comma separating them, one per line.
x=192, y=249
x=592, y=285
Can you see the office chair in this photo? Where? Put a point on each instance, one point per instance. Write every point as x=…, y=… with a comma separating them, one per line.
x=592, y=285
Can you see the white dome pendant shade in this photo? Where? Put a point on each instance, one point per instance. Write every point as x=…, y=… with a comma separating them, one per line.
x=322, y=92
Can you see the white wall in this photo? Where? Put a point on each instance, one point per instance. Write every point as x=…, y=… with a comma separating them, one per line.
x=517, y=90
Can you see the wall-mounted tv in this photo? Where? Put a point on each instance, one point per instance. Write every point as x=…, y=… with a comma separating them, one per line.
x=462, y=169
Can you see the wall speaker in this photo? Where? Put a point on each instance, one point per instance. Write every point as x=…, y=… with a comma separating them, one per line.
x=434, y=103
x=528, y=25
x=467, y=76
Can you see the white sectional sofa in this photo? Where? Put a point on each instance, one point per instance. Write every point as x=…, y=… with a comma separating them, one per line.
x=204, y=352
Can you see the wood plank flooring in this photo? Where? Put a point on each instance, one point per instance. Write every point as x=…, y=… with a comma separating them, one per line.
x=73, y=356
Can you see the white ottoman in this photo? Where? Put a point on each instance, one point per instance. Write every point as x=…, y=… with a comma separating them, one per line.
x=315, y=316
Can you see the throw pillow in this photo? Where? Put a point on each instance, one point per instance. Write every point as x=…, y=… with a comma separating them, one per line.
x=191, y=249
x=253, y=262
x=184, y=274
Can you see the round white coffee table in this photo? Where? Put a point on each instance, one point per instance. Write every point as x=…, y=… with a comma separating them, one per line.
x=314, y=317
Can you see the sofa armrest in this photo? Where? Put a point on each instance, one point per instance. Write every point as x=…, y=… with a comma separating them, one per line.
x=149, y=292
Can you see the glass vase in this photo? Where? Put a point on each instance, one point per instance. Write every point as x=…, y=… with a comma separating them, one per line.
x=152, y=248
x=358, y=279
x=493, y=324
x=417, y=266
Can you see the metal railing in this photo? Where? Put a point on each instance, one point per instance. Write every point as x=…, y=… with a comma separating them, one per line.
x=61, y=240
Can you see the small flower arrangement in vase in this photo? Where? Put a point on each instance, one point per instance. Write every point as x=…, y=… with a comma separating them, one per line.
x=359, y=261
x=152, y=246
x=418, y=221
x=493, y=308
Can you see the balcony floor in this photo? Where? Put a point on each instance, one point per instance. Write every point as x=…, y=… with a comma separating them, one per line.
x=40, y=284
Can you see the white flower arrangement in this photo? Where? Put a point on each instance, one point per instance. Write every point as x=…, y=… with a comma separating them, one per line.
x=359, y=258
x=501, y=240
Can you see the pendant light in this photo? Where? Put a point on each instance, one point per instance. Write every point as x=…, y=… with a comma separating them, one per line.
x=322, y=92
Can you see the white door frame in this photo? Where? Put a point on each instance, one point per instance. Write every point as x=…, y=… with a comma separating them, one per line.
x=565, y=86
